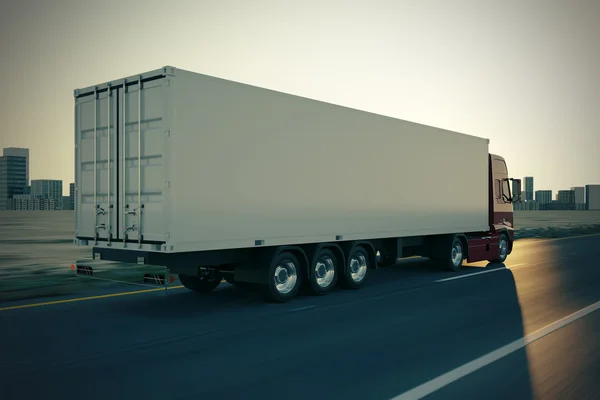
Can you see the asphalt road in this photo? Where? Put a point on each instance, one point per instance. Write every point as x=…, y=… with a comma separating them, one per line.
x=402, y=331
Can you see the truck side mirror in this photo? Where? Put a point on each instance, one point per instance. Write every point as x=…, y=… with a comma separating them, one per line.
x=516, y=198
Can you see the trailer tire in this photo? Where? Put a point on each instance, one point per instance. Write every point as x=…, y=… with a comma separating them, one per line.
x=201, y=284
x=323, y=272
x=355, y=271
x=284, y=277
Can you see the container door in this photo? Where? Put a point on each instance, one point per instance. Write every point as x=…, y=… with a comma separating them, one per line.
x=95, y=165
x=142, y=140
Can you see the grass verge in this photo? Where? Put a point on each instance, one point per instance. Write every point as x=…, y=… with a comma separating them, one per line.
x=552, y=232
x=39, y=283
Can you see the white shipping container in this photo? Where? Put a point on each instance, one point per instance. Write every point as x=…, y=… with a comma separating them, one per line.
x=215, y=164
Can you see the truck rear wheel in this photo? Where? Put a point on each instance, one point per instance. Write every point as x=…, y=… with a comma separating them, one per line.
x=284, y=277
x=323, y=272
x=454, y=256
x=354, y=272
x=202, y=283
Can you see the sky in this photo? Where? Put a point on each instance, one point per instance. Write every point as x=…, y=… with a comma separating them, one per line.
x=524, y=74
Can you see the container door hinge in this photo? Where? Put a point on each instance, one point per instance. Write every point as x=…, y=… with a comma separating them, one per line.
x=168, y=235
x=168, y=133
x=168, y=184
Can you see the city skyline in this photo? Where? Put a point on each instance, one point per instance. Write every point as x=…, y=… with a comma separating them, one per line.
x=18, y=193
x=66, y=189
x=531, y=89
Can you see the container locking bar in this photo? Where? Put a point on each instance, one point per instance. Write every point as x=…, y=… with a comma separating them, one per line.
x=96, y=206
x=109, y=226
x=124, y=166
x=139, y=165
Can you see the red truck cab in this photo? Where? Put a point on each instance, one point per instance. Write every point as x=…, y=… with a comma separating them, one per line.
x=497, y=244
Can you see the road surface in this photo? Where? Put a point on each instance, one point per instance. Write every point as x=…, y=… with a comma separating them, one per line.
x=410, y=333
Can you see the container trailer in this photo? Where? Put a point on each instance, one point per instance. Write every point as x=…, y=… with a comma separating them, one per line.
x=215, y=179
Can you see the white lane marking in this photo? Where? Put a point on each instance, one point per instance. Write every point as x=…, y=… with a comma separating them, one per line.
x=443, y=380
x=481, y=272
x=301, y=308
x=471, y=274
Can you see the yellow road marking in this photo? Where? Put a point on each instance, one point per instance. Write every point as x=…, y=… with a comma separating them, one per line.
x=104, y=296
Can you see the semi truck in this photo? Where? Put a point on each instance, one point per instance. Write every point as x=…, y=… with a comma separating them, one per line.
x=218, y=181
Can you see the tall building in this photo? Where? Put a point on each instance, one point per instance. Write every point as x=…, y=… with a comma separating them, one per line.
x=543, y=196
x=566, y=196
x=592, y=197
x=579, y=197
x=71, y=196
x=528, y=188
x=13, y=174
x=50, y=188
x=19, y=152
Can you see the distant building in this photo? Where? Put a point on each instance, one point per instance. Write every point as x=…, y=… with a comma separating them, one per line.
x=579, y=197
x=592, y=197
x=543, y=196
x=528, y=188
x=566, y=196
x=32, y=202
x=19, y=152
x=528, y=206
x=558, y=206
x=50, y=188
x=13, y=173
x=71, y=196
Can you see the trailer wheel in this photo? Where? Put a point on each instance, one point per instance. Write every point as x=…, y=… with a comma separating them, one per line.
x=356, y=268
x=203, y=283
x=323, y=272
x=284, y=277
x=455, y=256
x=503, y=244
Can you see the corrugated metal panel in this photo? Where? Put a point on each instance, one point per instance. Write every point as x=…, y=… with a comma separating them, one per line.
x=119, y=143
x=224, y=165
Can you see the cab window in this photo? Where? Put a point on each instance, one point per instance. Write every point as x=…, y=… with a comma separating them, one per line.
x=500, y=167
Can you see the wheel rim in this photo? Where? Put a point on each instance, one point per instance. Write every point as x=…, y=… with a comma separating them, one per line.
x=358, y=267
x=324, y=271
x=457, y=255
x=503, y=247
x=285, y=276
